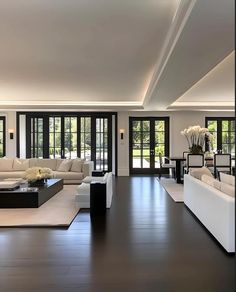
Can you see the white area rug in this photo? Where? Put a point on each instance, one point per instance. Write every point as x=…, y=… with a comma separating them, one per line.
x=176, y=191
x=60, y=210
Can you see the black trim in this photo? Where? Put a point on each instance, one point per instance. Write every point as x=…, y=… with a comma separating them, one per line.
x=4, y=136
x=219, y=128
x=152, y=169
x=93, y=115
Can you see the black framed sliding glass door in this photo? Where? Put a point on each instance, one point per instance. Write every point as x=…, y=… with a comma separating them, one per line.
x=2, y=136
x=148, y=137
x=65, y=135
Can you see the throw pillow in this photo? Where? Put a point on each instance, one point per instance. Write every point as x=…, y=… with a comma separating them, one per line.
x=227, y=179
x=89, y=179
x=228, y=189
x=208, y=179
x=77, y=165
x=20, y=164
x=65, y=166
x=6, y=164
x=198, y=172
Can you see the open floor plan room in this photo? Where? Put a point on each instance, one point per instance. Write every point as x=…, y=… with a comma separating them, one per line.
x=117, y=146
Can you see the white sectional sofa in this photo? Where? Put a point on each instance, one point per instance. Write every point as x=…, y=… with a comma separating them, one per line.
x=83, y=190
x=73, y=172
x=215, y=209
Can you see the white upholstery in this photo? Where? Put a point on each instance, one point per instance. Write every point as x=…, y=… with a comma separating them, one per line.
x=228, y=179
x=69, y=177
x=222, y=160
x=20, y=164
x=195, y=160
x=6, y=164
x=83, y=196
x=213, y=208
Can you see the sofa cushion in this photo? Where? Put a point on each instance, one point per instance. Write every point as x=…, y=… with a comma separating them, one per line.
x=65, y=165
x=89, y=179
x=228, y=179
x=6, y=164
x=211, y=181
x=20, y=164
x=198, y=172
x=12, y=174
x=33, y=162
x=77, y=165
x=48, y=163
x=227, y=189
x=68, y=175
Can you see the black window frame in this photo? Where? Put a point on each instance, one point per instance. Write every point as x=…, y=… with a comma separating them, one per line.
x=219, y=128
x=2, y=118
x=93, y=116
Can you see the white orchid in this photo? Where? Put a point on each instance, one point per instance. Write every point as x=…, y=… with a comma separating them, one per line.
x=196, y=136
x=37, y=173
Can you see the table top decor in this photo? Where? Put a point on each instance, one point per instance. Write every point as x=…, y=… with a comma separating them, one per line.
x=196, y=138
x=37, y=175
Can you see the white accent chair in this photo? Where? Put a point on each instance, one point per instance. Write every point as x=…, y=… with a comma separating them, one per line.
x=164, y=165
x=194, y=161
x=83, y=190
x=222, y=162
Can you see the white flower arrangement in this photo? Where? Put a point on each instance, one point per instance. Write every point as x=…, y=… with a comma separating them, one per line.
x=196, y=137
x=37, y=173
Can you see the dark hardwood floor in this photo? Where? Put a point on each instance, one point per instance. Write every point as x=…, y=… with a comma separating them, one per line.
x=147, y=243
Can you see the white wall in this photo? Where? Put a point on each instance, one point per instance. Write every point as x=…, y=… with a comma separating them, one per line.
x=178, y=121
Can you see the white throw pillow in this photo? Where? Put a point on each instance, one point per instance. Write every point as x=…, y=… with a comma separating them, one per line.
x=208, y=179
x=211, y=181
x=65, y=166
x=20, y=164
x=228, y=189
x=227, y=179
x=77, y=165
x=89, y=179
x=6, y=164
x=198, y=172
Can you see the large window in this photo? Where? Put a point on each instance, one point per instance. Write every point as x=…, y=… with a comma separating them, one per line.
x=223, y=131
x=149, y=137
x=68, y=135
x=2, y=136
x=85, y=137
x=36, y=137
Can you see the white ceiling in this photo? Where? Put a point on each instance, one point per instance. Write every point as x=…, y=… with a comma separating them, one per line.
x=215, y=88
x=126, y=54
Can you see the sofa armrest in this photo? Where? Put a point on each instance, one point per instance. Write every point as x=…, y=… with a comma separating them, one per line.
x=88, y=168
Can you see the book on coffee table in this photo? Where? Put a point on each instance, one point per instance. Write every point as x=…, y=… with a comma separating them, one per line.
x=9, y=185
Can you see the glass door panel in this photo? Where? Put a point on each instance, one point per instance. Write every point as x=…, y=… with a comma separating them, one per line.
x=36, y=137
x=70, y=137
x=102, y=143
x=2, y=136
x=55, y=137
x=85, y=138
x=148, y=138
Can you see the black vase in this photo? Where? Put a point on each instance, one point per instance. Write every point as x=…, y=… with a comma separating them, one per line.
x=37, y=183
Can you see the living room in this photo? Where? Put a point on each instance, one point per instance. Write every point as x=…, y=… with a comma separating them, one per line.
x=92, y=88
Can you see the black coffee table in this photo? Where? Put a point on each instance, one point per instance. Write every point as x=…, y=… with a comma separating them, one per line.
x=30, y=197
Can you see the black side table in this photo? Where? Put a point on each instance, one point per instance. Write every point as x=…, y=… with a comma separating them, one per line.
x=97, y=198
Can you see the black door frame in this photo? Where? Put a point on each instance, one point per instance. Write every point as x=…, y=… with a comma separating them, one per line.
x=2, y=118
x=93, y=115
x=152, y=169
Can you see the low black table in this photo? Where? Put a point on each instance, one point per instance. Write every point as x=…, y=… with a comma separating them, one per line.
x=30, y=197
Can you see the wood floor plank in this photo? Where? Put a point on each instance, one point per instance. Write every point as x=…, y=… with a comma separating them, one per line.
x=147, y=242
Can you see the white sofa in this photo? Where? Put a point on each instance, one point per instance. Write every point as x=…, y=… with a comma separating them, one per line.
x=215, y=209
x=15, y=168
x=83, y=190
